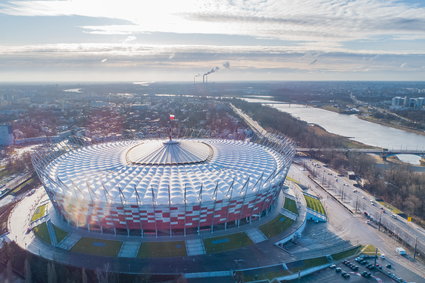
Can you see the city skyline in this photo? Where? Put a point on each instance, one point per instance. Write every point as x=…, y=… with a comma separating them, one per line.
x=247, y=40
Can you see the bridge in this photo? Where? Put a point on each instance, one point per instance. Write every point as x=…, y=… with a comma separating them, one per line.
x=384, y=153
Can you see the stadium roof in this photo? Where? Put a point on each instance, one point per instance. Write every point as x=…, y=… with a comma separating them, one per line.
x=180, y=171
x=169, y=152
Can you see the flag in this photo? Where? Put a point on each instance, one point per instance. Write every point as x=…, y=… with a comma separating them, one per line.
x=171, y=116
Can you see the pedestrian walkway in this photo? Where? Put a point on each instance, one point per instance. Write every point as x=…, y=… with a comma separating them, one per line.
x=195, y=247
x=69, y=241
x=52, y=234
x=129, y=249
x=256, y=235
x=213, y=274
x=288, y=214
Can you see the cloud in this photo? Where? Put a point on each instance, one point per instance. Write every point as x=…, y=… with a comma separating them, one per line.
x=129, y=39
x=302, y=36
x=323, y=21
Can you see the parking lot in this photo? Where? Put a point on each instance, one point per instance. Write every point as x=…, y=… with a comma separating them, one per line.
x=358, y=271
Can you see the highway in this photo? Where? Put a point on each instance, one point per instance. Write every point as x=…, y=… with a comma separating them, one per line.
x=344, y=189
x=411, y=233
x=353, y=227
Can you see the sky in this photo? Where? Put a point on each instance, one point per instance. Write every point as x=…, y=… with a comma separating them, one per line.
x=138, y=40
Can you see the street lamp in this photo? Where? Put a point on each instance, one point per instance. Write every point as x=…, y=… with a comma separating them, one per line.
x=379, y=224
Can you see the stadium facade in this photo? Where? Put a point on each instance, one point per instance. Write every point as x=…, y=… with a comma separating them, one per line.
x=164, y=186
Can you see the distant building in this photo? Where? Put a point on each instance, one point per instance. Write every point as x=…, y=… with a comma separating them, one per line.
x=6, y=135
x=416, y=103
x=398, y=103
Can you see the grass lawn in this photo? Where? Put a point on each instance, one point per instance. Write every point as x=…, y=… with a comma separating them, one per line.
x=18, y=188
x=269, y=273
x=276, y=226
x=369, y=250
x=393, y=209
x=226, y=243
x=306, y=263
x=97, y=247
x=291, y=205
x=292, y=180
x=39, y=212
x=162, y=249
x=315, y=204
x=41, y=232
x=60, y=234
x=347, y=253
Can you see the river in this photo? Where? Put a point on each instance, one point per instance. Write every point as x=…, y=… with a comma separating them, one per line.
x=353, y=127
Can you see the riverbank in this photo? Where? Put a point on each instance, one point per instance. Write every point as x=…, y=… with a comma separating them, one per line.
x=387, y=124
x=347, y=141
x=371, y=119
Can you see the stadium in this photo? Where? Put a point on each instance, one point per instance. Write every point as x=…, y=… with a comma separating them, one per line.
x=164, y=186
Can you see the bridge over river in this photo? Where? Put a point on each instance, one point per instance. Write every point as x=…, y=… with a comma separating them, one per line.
x=384, y=153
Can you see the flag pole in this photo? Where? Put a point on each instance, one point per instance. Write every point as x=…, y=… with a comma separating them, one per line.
x=171, y=128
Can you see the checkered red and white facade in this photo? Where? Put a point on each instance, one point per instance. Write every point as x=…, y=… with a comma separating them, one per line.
x=159, y=185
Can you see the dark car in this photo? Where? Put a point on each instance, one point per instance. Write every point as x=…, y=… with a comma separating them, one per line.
x=345, y=275
x=388, y=266
x=338, y=270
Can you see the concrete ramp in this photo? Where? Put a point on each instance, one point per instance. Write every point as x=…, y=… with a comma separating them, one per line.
x=195, y=247
x=52, y=234
x=69, y=241
x=256, y=235
x=129, y=249
x=289, y=214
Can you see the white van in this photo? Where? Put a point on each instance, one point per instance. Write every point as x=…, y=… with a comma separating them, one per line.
x=400, y=251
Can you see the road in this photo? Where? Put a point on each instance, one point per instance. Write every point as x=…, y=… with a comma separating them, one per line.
x=16, y=181
x=352, y=227
x=251, y=123
x=344, y=189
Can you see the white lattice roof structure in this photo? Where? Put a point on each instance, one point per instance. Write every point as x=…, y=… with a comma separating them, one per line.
x=176, y=172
